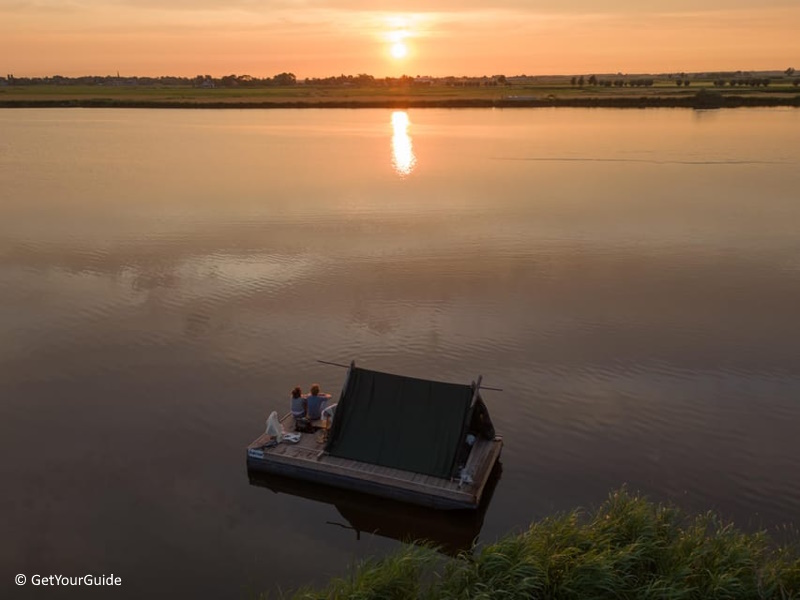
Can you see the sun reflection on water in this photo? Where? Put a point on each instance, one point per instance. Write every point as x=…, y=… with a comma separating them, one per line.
x=403, y=159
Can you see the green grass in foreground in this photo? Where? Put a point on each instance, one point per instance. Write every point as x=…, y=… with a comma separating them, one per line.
x=629, y=548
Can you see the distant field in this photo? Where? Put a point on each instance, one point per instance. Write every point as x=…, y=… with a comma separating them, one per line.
x=661, y=94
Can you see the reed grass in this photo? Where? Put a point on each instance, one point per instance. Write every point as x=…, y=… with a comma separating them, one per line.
x=629, y=548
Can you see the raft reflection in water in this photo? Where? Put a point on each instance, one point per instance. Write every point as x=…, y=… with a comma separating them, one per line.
x=451, y=532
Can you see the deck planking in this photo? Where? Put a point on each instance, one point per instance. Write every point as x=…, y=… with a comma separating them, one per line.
x=306, y=459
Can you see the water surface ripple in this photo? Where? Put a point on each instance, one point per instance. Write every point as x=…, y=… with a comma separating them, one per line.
x=629, y=278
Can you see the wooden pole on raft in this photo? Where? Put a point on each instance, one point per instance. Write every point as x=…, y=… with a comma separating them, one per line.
x=325, y=362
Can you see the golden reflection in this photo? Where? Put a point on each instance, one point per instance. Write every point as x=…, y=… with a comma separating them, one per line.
x=403, y=159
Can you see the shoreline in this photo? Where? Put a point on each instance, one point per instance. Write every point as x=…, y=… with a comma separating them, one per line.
x=700, y=100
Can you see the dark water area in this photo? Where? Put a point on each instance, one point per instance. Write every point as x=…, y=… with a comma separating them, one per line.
x=631, y=279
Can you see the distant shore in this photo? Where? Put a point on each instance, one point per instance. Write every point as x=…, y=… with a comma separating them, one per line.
x=652, y=102
x=303, y=97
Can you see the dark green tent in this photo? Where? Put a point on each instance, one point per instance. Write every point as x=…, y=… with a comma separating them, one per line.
x=401, y=422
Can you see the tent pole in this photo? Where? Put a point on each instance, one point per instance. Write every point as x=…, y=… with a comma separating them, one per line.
x=475, y=391
x=325, y=362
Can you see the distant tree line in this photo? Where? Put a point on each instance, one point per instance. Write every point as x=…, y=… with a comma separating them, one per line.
x=361, y=80
x=618, y=82
x=282, y=79
x=683, y=80
x=97, y=80
x=750, y=81
x=285, y=79
x=248, y=81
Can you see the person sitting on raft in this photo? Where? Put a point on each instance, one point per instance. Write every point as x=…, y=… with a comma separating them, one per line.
x=315, y=402
x=327, y=416
x=298, y=403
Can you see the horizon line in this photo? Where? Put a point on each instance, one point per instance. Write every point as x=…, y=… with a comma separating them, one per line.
x=11, y=75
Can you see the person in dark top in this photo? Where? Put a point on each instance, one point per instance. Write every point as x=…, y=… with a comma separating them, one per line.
x=315, y=402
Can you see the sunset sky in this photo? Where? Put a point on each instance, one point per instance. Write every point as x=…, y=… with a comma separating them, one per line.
x=317, y=38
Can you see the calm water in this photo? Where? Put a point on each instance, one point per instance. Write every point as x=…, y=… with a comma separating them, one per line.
x=631, y=279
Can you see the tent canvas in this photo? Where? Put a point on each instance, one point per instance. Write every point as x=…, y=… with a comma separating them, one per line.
x=401, y=422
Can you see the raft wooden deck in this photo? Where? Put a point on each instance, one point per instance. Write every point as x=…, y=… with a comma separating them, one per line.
x=307, y=460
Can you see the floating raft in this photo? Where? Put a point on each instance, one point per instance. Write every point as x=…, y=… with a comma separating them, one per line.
x=307, y=460
x=418, y=441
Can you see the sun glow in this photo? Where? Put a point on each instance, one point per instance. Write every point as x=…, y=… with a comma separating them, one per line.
x=397, y=33
x=399, y=50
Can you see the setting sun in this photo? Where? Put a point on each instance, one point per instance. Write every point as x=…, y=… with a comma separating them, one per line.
x=399, y=50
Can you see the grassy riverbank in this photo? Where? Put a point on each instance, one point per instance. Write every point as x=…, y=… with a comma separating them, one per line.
x=699, y=95
x=628, y=549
